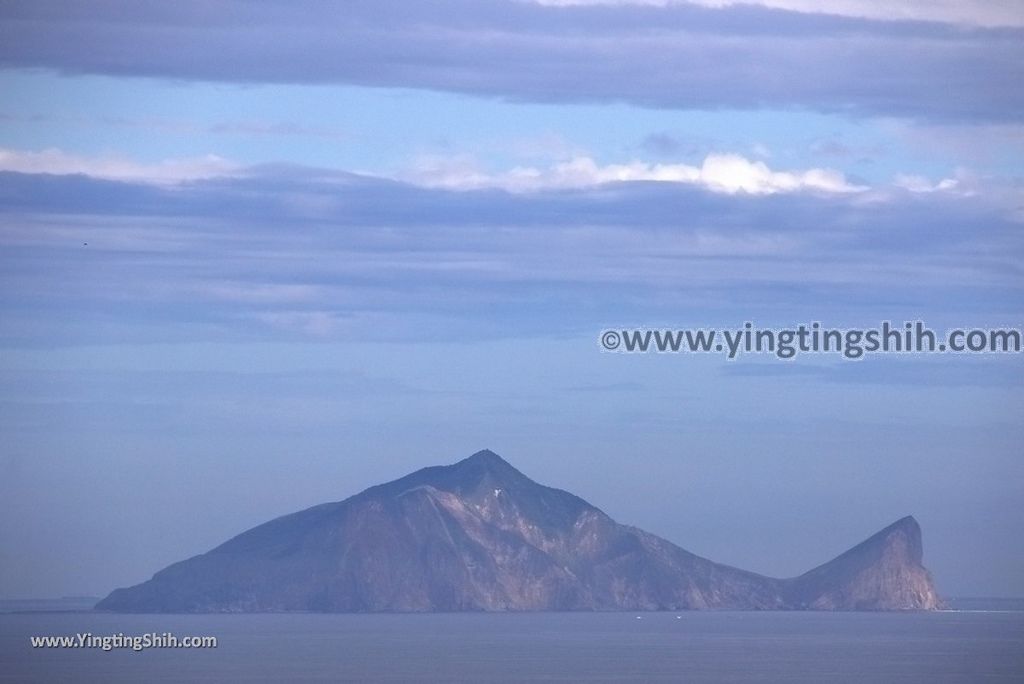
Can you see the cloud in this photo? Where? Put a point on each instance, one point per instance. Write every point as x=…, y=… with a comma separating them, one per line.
x=308, y=193
x=921, y=184
x=57, y=162
x=978, y=144
x=250, y=128
x=237, y=258
x=675, y=56
x=880, y=370
x=991, y=13
x=728, y=173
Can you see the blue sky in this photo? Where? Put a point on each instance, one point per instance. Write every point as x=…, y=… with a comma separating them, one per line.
x=258, y=257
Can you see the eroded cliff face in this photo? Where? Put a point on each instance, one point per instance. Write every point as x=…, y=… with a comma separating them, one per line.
x=882, y=573
x=480, y=535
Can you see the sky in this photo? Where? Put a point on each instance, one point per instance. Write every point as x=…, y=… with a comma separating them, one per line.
x=259, y=256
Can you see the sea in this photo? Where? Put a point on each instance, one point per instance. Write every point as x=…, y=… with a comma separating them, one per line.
x=978, y=641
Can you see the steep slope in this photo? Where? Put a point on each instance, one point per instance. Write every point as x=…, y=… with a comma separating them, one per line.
x=480, y=535
x=882, y=573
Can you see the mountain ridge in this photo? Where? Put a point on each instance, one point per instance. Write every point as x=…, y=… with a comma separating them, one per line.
x=480, y=535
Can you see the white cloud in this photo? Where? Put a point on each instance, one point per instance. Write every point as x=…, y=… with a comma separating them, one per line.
x=727, y=173
x=922, y=184
x=58, y=162
x=733, y=173
x=989, y=13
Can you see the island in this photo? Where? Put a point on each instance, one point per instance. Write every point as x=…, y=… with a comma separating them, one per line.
x=479, y=535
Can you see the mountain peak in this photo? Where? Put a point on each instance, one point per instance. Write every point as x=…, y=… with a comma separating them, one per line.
x=902, y=536
x=883, y=572
x=486, y=456
x=486, y=463
x=908, y=523
x=908, y=532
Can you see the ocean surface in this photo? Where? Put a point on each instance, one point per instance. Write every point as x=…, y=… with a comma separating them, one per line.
x=981, y=644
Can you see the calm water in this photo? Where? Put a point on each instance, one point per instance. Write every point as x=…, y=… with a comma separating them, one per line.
x=552, y=647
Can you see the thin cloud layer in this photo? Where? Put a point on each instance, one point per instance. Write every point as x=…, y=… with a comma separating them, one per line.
x=728, y=173
x=992, y=13
x=675, y=56
x=283, y=252
x=58, y=162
